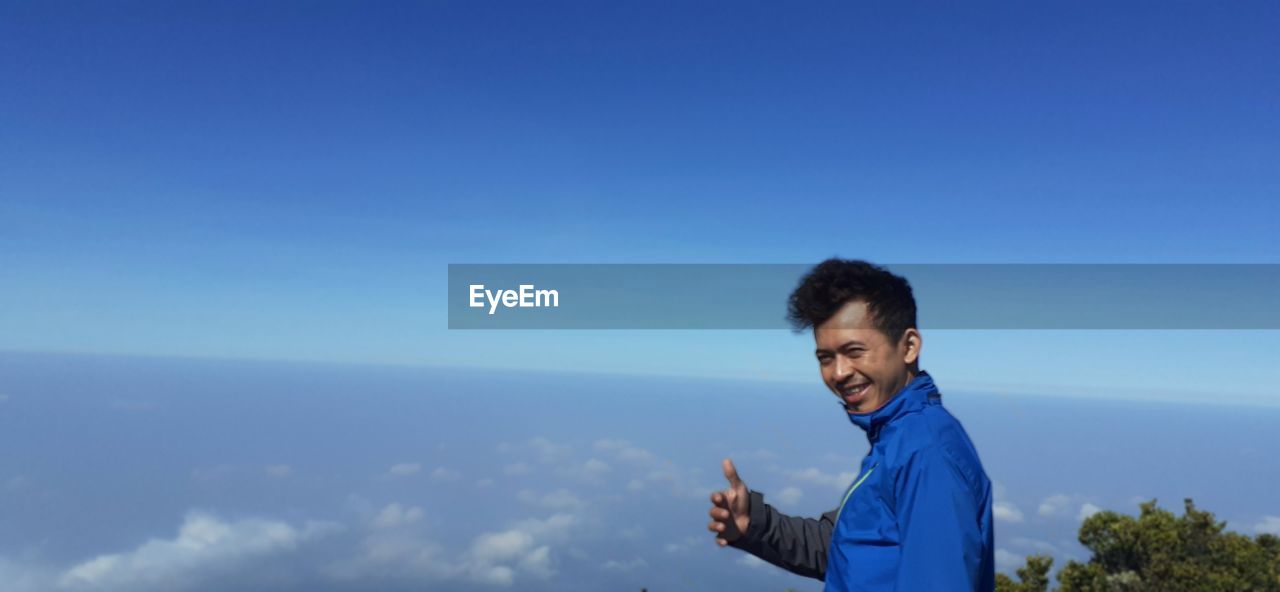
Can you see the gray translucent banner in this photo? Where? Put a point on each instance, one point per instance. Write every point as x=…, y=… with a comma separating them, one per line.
x=949, y=296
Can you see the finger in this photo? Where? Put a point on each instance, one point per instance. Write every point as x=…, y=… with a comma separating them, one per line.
x=715, y=526
x=731, y=472
x=721, y=542
x=720, y=514
x=717, y=498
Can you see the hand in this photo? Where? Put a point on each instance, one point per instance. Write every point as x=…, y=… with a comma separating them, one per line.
x=731, y=508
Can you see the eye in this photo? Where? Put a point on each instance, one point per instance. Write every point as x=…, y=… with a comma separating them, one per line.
x=824, y=359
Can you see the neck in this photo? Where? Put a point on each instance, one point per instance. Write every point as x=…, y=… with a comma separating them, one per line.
x=912, y=373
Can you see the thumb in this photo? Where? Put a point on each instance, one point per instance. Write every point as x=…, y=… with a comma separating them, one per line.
x=731, y=473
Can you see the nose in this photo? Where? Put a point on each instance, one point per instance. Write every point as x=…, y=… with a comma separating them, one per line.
x=843, y=369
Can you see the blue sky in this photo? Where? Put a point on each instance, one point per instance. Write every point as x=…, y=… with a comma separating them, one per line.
x=289, y=182
x=474, y=132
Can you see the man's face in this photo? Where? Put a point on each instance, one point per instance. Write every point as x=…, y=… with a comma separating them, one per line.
x=859, y=363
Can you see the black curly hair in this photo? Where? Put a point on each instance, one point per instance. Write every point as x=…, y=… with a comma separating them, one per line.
x=836, y=282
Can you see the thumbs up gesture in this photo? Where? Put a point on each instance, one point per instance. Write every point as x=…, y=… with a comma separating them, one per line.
x=730, y=508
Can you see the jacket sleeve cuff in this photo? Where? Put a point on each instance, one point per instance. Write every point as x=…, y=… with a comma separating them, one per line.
x=758, y=525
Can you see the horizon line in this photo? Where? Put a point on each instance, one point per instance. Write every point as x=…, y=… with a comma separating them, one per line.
x=997, y=389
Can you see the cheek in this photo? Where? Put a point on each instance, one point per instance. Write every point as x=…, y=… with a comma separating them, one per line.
x=880, y=368
x=826, y=376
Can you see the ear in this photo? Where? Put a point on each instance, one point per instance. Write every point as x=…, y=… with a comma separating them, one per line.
x=911, y=342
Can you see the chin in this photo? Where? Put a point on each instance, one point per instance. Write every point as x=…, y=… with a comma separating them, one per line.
x=869, y=405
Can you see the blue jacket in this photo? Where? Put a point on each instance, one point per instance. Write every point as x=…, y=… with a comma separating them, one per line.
x=918, y=516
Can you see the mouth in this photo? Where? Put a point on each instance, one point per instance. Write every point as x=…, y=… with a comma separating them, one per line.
x=852, y=394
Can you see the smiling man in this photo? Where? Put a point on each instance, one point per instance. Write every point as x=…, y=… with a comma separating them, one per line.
x=918, y=514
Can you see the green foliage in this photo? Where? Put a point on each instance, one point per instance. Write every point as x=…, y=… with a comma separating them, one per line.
x=1159, y=552
x=1034, y=576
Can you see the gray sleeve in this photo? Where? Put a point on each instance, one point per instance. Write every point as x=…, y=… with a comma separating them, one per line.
x=798, y=545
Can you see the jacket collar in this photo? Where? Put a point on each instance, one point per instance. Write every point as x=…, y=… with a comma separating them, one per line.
x=918, y=393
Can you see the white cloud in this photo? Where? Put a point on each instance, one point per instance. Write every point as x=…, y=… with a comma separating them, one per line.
x=554, y=528
x=766, y=455
x=591, y=471
x=16, y=483
x=497, y=575
x=279, y=470
x=637, y=455
x=686, y=544
x=662, y=474
x=789, y=496
x=752, y=561
x=628, y=565
x=445, y=474
x=680, y=483
x=1007, y=512
x=610, y=444
x=547, y=451
x=1269, y=525
x=819, y=477
x=1055, y=504
x=496, y=558
x=25, y=576
x=405, y=469
x=1035, y=545
x=626, y=451
x=556, y=500
x=486, y=482
x=649, y=471
x=595, y=466
x=537, y=563
x=1006, y=561
x=519, y=468
x=1060, y=505
x=394, y=516
x=395, y=547
x=203, y=546
x=501, y=546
